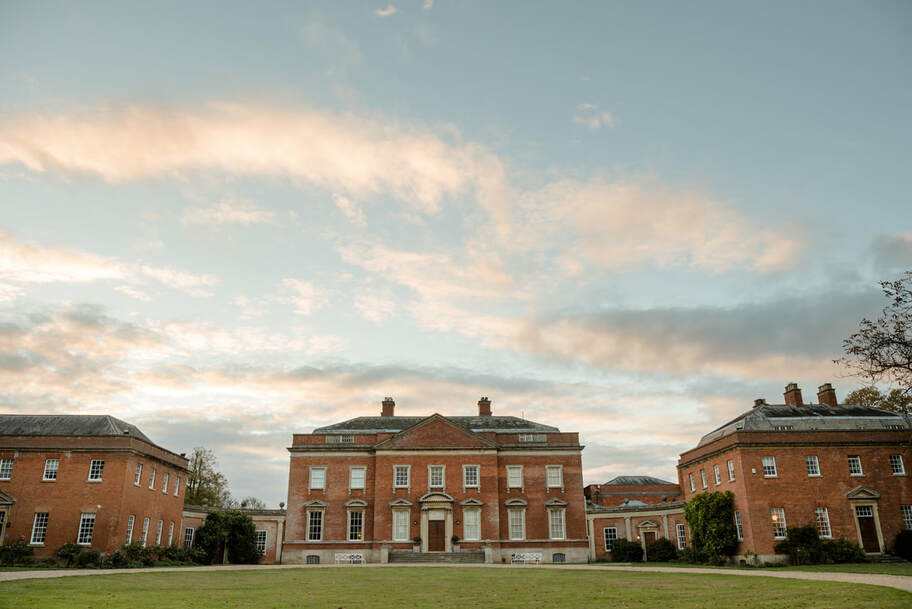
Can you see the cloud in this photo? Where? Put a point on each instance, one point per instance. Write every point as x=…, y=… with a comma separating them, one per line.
x=428, y=5
x=133, y=293
x=229, y=211
x=386, y=12
x=893, y=253
x=303, y=295
x=375, y=306
x=350, y=210
x=589, y=115
x=192, y=283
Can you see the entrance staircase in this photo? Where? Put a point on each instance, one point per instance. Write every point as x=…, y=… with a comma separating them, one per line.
x=453, y=558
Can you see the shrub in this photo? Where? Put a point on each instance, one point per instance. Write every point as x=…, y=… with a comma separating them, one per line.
x=132, y=552
x=626, y=551
x=88, y=557
x=67, y=554
x=902, y=545
x=842, y=551
x=117, y=560
x=15, y=554
x=803, y=546
x=151, y=555
x=661, y=550
x=713, y=537
x=241, y=538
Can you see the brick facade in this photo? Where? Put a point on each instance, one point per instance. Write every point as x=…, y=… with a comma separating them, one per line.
x=435, y=505
x=643, y=524
x=111, y=500
x=864, y=507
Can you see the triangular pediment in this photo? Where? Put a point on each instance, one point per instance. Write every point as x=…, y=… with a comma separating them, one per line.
x=436, y=497
x=647, y=524
x=862, y=492
x=471, y=501
x=400, y=503
x=436, y=431
x=315, y=503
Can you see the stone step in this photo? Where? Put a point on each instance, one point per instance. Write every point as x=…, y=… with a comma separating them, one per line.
x=405, y=556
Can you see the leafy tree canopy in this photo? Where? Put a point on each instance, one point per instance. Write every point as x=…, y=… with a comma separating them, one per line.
x=896, y=400
x=710, y=516
x=205, y=484
x=230, y=527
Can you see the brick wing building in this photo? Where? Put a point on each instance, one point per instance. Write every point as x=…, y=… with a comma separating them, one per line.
x=495, y=486
x=90, y=479
x=841, y=468
x=268, y=524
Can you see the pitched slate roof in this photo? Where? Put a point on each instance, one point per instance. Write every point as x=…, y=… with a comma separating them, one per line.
x=810, y=417
x=638, y=481
x=67, y=425
x=395, y=424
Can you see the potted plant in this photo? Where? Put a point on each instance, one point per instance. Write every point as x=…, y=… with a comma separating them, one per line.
x=417, y=546
x=455, y=540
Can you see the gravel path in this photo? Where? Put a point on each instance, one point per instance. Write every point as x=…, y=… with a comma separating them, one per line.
x=900, y=582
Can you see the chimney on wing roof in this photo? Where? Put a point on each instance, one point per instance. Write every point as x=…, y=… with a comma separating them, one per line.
x=484, y=407
x=388, y=406
x=827, y=395
x=793, y=395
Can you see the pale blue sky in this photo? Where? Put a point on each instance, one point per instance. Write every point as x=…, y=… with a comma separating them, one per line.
x=226, y=222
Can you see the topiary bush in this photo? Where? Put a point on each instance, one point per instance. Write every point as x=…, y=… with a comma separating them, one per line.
x=626, y=551
x=661, y=550
x=710, y=517
x=902, y=545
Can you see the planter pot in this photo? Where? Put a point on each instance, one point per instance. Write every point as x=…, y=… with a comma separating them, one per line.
x=455, y=547
x=416, y=548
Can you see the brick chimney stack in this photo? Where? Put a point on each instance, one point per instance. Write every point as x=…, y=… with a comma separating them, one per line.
x=388, y=406
x=484, y=407
x=793, y=395
x=827, y=395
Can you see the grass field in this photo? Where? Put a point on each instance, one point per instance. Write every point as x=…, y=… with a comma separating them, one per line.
x=437, y=588
x=902, y=568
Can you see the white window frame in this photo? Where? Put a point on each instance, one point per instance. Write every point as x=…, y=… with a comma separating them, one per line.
x=467, y=533
x=521, y=513
x=349, y=522
x=408, y=476
x=703, y=477
x=51, y=466
x=517, y=470
x=170, y=533
x=717, y=474
x=681, y=532
x=560, y=520
x=152, y=479
x=609, y=535
x=137, y=477
x=404, y=515
x=6, y=469
x=731, y=470
x=693, y=485
x=145, y=530
x=158, y=532
x=465, y=478
x=39, y=528
x=311, y=483
x=177, y=482
x=442, y=469
x=165, y=477
x=86, y=529
x=131, y=521
x=812, y=464
x=188, y=536
x=780, y=526
x=549, y=470
x=901, y=471
x=310, y=516
x=351, y=477
x=739, y=528
x=822, y=522
x=262, y=541
x=769, y=466
x=96, y=472
x=906, y=511
x=855, y=460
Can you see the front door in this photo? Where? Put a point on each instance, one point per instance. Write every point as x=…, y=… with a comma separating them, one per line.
x=436, y=535
x=865, y=514
x=649, y=537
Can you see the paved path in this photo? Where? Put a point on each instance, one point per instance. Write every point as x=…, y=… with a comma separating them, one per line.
x=901, y=582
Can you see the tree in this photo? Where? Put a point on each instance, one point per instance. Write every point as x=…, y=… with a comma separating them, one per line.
x=895, y=401
x=252, y=503
x=206, y=485
x=711, y=517
x=881, y=350
x=211, y=537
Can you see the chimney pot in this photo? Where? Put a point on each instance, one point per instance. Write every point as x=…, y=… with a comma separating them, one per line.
x=827, y=395
x=484, y=407
x=793, y=395
x=388, y=406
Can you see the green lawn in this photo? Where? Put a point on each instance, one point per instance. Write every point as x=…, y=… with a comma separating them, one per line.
x=438, y=588
x=901, y=568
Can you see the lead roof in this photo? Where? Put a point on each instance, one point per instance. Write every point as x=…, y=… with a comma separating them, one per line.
x=366, y=425
x=67, y=425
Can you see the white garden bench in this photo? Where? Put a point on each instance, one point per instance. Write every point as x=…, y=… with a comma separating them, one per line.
x=349, y=558
x=526, y=558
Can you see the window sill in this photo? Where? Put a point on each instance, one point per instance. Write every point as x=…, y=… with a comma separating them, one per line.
x=94, y=481
x=36, y=545
x=814, y=476
x=775, y=476
x=856, y=475
x=900, y=475
x=49, y=479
